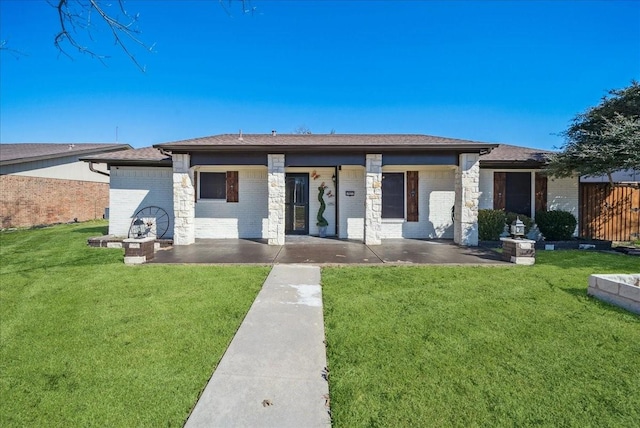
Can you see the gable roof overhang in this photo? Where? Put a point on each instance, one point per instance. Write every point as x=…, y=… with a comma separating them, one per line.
x=147, y=156
x=506, y=156
x=11, y=154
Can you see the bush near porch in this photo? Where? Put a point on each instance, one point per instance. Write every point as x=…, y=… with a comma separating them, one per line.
x=88, y=341
x=481, y=346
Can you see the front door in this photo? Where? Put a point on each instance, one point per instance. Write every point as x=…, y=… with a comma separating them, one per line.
x=297, y=204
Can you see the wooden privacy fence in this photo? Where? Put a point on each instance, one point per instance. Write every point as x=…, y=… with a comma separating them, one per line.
x=611, y=213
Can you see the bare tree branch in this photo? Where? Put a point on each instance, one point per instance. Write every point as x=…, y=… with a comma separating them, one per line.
x=4, y=46
x=75, y=16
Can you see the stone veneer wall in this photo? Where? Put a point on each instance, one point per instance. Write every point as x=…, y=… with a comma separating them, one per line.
x=465, y=228
x=373, y=201
x=276, y=178
x=183, y=201
x=32, y=201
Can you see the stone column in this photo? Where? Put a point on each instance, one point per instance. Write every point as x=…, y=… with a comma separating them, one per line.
x=183, y=201
x=373, y=201
x=276, y=184
x=465, y=225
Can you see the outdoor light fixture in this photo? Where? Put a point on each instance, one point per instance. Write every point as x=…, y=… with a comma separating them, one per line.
x=517, y=228
x=333, y=178
x=137, y=228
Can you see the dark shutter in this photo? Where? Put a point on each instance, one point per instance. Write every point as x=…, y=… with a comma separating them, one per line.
x=499, y=190
x=541, y=192
x=195, y=186
x=232, y=186
x=412, y=195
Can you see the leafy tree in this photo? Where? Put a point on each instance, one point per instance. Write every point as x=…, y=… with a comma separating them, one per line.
x=603, y=139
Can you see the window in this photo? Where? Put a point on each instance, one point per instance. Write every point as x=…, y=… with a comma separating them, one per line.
x=213, y=185
x=393, y=195
x=218, y=185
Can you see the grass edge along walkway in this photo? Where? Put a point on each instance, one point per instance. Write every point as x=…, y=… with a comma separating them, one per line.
x=481, y=346
x=88, y=341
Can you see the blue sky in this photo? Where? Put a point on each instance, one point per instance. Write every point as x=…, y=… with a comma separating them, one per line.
x=504, y=71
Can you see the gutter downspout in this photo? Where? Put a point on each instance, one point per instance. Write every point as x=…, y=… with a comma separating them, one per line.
x=92, y=169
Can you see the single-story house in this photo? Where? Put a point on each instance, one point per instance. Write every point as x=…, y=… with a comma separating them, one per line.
x=46, y=183
x=367, y=187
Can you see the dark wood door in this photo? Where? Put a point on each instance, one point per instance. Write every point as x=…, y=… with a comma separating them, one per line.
x=518, y=193
x=297, y=204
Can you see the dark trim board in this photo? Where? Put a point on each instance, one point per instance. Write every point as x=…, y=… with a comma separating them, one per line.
x=222, y=159
x=316, y=159
x=430, y=158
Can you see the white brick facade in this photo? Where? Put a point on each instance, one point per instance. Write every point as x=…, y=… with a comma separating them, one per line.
x=562, y=193
x=134, y=188
x=260, y=210
x=183, y=201
x=351, y=179
x=247, y=218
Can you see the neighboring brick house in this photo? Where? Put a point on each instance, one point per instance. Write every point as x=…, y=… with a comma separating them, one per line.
x=266, y=186
x=47, y=183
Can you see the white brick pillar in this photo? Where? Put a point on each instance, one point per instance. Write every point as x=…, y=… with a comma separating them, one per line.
x=183, y=201
x=275, y=166
x=373, y=201
x=465, y=225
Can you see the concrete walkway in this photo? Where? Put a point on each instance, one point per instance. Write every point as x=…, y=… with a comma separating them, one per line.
x=273, y=374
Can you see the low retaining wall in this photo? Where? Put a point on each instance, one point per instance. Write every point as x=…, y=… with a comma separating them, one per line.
x=617, y=289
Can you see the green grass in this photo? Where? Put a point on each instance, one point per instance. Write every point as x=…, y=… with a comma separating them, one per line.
x=88, y=341
x=481, y=346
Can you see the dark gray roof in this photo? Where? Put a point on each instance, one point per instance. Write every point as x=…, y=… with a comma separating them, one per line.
x=506, y=155
x=502, y=155
x=28, y=152
x=144, y=156
x=320, y=141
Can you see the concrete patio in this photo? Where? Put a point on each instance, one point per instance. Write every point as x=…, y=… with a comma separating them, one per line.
x=326, y=251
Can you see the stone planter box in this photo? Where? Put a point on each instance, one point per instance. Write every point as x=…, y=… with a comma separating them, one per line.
x=138, y=251
x=617, y=289
x=518, y=251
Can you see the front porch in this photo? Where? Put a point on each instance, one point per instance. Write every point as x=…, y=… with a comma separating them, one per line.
x=325, y=251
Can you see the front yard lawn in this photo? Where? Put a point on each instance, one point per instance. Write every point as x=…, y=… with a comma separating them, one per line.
x=88, y=341
x=481, y=346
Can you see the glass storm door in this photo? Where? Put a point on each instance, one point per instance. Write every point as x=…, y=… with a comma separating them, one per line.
x=297, y=204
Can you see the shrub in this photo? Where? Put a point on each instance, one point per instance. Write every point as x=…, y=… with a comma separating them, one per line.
x=556, y=225
x=490, y=224
x=528, y=221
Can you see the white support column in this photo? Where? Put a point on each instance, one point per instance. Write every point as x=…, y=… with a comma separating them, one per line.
x=276, y=180
x=183, y=201
x=373, y=201
x=465, y=225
